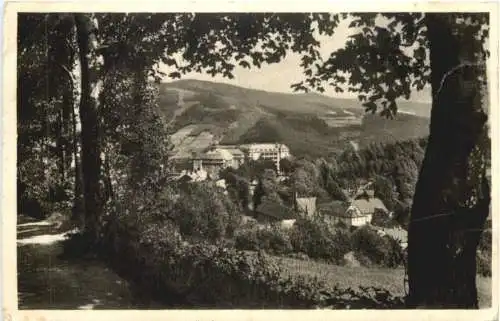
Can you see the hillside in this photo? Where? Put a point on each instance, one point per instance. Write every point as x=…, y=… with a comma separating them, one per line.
x=200, y=113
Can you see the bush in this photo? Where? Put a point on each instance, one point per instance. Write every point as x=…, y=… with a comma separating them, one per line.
x=318, y=242
x=369, y=246
x=202, y=211
x=382, y=219
x=204, y=275
x=247, y=239
x=273, y=240
x=279, y=241
x=396, y=256
x=149, y=251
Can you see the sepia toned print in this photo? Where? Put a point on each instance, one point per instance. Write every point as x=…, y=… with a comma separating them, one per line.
x=254, y=160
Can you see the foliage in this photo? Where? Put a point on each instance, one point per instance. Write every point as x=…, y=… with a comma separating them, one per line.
x=318, y=242
x=267, y=187
x=205, y=212
x=384, y=190
x=386, y=58
x=238, y=189
x=186, y=275
x=402, y=213
x=272, y=240
x=382, y=219
x=44, y=113
x=368, y=243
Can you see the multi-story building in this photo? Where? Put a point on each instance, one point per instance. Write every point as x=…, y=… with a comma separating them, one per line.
x=272, y=151
x=267, y=151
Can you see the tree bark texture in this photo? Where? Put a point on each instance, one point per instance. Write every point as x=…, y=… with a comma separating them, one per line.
x=452, y=196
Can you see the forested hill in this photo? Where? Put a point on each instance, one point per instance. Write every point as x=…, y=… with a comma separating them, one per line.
x=311, y=124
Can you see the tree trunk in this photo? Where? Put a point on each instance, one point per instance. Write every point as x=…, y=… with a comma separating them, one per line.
x=78, y=203
x=90, y=153
x=452, y=196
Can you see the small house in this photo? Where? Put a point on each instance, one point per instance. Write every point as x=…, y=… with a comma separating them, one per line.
x=361, y=210
x=356, y=213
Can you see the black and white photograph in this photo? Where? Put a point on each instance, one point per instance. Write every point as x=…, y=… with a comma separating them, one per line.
x=333, y=160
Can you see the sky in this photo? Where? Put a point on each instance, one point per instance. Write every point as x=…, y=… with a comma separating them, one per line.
x=279, y=77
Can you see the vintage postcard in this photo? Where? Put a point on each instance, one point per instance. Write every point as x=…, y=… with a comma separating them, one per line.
x=250, y=160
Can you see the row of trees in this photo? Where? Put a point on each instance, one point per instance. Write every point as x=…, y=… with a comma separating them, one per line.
x=83, y=90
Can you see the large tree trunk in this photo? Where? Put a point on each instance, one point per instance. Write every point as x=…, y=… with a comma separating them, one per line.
x=452, y=196
x=90, y=153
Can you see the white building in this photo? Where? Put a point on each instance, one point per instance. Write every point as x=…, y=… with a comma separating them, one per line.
x=361, y=211
x=273, y=151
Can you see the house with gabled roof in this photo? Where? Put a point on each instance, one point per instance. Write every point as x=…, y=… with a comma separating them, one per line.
x=354, y=213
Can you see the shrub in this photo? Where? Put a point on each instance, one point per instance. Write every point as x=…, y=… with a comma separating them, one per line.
x=203, y=211
x=370, y=245
x=247, y=239
x=381, y=218
x=395, y=255
x=273, y=240
x=154, y=257
x=318, y=242
x=203, y=274
x=279, y=241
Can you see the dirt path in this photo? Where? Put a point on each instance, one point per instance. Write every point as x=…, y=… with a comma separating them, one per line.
x=46, y=281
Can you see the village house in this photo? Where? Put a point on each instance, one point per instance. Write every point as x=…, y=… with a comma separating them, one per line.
x=361, y=210
x=354, y=213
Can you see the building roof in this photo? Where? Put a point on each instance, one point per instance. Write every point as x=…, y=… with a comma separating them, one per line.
x=334, y=208
x=265, y=146
x=368, y=206
x=236, y=152
x=216, y=154
x=275, y=210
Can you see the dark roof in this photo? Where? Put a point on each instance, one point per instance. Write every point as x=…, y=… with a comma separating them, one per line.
x=185, y=178
x=275, y=210
x=334, y=208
